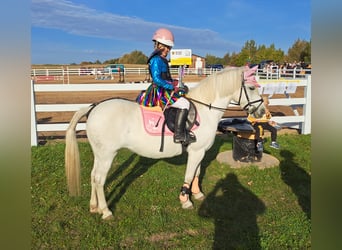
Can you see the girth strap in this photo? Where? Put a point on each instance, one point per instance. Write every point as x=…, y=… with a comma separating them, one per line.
x=161, y=149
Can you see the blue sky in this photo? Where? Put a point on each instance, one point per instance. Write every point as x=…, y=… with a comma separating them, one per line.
x=72, y=31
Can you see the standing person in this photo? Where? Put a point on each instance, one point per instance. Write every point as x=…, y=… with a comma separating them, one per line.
x=264, y=123
x=164, y=90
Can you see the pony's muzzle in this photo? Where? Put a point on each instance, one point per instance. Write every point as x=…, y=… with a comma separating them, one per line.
x=257, y=111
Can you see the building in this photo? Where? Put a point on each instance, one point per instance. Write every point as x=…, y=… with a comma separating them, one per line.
x=196, y=58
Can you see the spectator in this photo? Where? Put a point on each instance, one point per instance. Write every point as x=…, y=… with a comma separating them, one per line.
x=261, y=124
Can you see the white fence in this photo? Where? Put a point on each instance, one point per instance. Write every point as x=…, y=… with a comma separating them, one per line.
x=63, y=73
x=302, y=122
x=286, y=87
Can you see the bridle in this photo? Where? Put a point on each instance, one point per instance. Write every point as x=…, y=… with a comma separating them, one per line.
x=249, y=103
x=242, y=90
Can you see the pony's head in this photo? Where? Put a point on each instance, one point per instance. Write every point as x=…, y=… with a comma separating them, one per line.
x=237, y=84
x=248, y=96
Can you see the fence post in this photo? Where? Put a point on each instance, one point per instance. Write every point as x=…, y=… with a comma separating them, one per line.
x=306, y=125
x=33, y=118
x=68, y=77
x=63, y=74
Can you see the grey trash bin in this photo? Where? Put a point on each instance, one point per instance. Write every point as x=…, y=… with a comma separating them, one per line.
x=244, y=144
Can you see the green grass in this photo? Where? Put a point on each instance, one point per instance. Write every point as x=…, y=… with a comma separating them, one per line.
x=244, y=208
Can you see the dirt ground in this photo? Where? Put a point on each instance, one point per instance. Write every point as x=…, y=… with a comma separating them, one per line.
x=92, y=97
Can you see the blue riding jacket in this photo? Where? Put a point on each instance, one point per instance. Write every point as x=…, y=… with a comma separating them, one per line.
x=159, y=70
x=160, y=92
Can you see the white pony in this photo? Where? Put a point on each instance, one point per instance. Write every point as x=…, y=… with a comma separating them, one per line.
x=118, y=123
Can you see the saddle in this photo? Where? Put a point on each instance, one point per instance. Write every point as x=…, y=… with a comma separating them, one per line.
x=163, y=124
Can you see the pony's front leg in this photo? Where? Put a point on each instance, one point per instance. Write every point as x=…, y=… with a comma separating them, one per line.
x=184, y=196
x=195, y=188
x=191, y=179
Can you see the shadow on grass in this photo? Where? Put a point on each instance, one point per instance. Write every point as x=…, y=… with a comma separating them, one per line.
x=298, y=180
x=212, y=153
x=209, y=156
x=234, y=210
x=143, y=165
x=120, y=188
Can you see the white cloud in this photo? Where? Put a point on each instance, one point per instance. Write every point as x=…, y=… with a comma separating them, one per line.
x=84, y=21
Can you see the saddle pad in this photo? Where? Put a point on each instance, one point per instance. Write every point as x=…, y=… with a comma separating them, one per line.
x=153, y=119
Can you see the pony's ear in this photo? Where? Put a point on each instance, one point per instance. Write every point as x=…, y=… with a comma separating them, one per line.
x=249, y=71
x=255, y=68
x=249, y=75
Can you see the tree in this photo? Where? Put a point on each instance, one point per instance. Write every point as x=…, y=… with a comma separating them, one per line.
x=248, y=53
x=234, y=59
x=111, y=61
x=135, y=57
x=227, y=59
x=306, y=55
x=269, y=53
x=86, y=63
x=300, y=51
x=278, y=56
x=210, y=59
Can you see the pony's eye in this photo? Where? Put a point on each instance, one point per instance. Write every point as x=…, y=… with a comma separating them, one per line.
x=251, y=88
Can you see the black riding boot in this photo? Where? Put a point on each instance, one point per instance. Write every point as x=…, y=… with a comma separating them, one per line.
x=181, y=135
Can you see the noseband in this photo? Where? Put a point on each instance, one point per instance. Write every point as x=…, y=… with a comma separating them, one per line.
x=249, y=103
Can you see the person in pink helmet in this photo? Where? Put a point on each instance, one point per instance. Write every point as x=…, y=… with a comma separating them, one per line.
x=164, y=90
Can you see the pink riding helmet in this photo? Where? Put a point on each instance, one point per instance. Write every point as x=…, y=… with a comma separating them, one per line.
x=163, y=36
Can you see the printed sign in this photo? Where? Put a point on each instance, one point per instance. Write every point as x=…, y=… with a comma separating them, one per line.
x=180, y=57
x=277, y=87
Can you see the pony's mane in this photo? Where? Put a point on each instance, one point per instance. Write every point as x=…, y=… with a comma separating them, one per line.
x=218, y=85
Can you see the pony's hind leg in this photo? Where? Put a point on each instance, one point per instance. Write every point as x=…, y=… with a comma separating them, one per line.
x=98, y=203
x=93, y=196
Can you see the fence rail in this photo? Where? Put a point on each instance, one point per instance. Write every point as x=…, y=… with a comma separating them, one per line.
x=302, y=122
x=64, y=73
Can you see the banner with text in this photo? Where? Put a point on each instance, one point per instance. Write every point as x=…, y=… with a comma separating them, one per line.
x=180, y=57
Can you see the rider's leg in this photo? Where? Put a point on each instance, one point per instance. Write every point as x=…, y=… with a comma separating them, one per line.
x=181, y=135
x=180, y=123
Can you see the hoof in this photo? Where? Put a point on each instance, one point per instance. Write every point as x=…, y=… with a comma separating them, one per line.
x=107, y=214
x=187, y=204
x=199, y=196
x=108, y=217
x=94, y=210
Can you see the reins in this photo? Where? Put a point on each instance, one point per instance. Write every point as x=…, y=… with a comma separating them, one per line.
x=211, y=106
x=243, y=87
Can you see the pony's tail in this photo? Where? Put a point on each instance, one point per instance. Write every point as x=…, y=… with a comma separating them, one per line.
x=72, y=155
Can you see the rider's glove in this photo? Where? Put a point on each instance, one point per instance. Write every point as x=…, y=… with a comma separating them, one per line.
x=182, y=90
x=175, y=82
